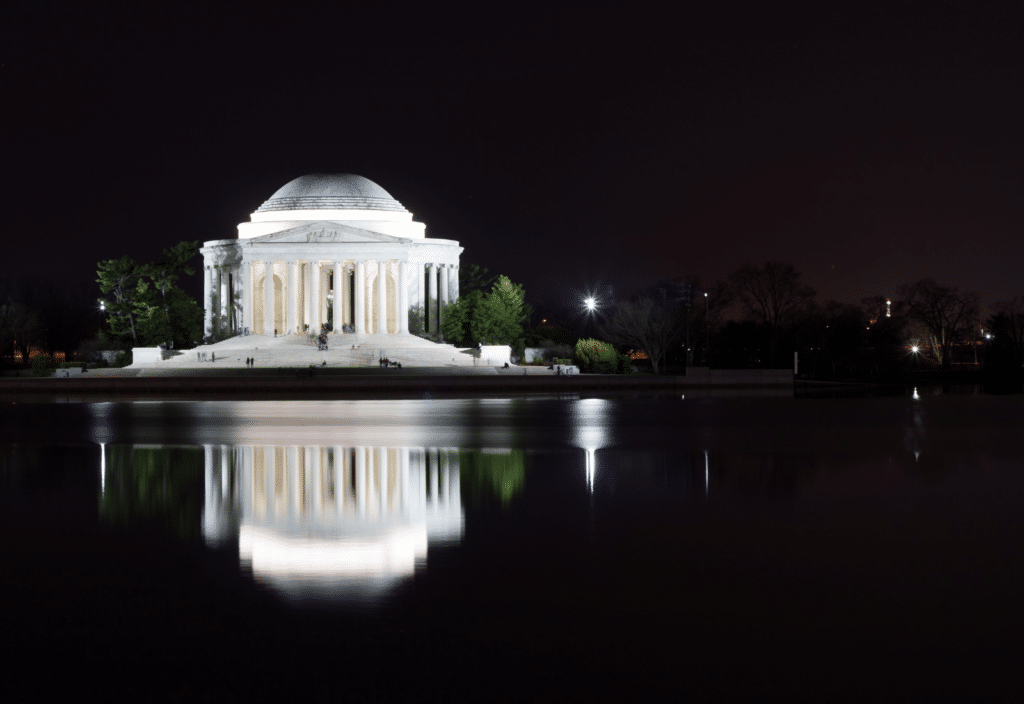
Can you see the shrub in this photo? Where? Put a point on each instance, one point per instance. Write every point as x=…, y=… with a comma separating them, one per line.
x=43, y=365
x=122, y=358
x=519, y=349
x=596, y=357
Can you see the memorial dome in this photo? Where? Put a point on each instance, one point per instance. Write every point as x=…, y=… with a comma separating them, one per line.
x=331, y=192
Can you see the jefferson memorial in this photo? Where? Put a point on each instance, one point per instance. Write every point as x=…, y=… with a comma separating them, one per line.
x=333, y=250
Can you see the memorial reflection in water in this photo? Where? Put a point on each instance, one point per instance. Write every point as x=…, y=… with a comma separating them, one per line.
x=310, y=521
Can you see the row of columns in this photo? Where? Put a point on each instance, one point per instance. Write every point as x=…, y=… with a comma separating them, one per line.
x=221, y=290
x=228, y=288
x=293, y=485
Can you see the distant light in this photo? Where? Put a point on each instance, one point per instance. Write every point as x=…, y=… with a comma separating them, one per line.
x=915, y=396
x=590, y=303
x=914, y=349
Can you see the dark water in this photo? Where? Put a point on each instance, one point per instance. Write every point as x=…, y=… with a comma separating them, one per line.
x=704, y=548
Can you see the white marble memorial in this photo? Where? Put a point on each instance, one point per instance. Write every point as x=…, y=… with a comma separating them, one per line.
x=325, y=248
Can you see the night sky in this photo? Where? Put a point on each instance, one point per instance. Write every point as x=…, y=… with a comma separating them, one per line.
x=617, y=144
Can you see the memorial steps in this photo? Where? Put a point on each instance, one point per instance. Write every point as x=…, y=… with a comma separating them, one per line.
x=299, y=351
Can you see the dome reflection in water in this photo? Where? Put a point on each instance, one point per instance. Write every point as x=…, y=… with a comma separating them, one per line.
x=311, y=522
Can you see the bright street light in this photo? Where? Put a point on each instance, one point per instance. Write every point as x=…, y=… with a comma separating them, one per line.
x=914, y=349
x=590, y=303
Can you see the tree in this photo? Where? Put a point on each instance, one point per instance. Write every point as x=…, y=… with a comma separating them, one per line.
x=502, y=314
x=20, y=328
x=772, y=295
x=457, y=318
x=497, y=317
x=474, y=278
x=145, y=304
x=167, y=269
x=1006, y=326
x=122, y=280
x=645, y=324
x=947, y=314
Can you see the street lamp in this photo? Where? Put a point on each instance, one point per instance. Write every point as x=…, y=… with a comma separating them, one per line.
x=590, y=303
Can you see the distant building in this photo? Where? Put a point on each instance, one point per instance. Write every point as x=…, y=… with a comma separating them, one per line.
x=328, y=246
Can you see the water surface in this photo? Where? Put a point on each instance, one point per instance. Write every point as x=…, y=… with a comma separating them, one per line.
x=498, y=548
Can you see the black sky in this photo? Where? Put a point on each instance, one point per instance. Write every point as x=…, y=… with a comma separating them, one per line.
x=620, y=143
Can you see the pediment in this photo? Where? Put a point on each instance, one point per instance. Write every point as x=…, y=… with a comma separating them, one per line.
x=328, y=232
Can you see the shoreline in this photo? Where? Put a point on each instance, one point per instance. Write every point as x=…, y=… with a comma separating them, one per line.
x=321, y=383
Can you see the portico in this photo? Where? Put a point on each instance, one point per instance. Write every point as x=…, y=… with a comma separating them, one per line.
x=328, y=250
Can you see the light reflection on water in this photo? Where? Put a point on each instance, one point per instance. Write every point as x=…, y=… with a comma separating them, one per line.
x=607, y=527
x=310, y=521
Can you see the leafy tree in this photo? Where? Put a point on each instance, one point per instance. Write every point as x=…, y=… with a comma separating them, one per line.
x=168, y=268
x=145, y=304
x=457, y=319
x=417, y=320
x=502, y=313
x=947, y=313
x=474, y=278
x=643, y=323
x=122, y=280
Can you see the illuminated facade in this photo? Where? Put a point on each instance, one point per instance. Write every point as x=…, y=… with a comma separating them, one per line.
x=328, y=248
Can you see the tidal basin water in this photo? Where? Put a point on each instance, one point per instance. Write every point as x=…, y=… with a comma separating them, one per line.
x=492, y=549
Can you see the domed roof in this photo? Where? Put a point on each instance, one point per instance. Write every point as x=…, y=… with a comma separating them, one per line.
x=331, y=192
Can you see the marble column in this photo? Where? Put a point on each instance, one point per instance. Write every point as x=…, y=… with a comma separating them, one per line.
x=314, y=297
x=403, y=298
x=268, y=298
x=218, y=321
x=359, y=322
x=304, y=318
x=339, y=301
x=454, y=283
x=431, y=307
x=208, y=300
x=225, y=301
x=247, y=295
x=421, y=299
x=382, y=297
x=292, y=323
x=325, y=287
x=444, y=285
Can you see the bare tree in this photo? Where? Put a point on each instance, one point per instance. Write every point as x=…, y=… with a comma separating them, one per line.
x=645, y=324
x=773, y=295
x=946, y=313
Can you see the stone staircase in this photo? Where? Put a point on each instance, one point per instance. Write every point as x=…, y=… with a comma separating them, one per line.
x=343, y=350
